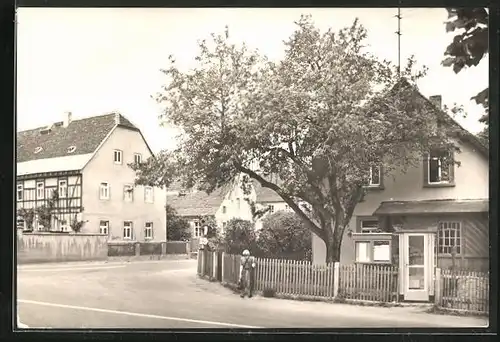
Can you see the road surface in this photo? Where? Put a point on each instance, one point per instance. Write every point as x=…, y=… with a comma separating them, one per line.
x=167, y=294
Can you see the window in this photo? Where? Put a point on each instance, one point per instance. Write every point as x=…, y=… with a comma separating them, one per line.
x=49, y=192
x=198, y=230
x=128, y=192
x=148, y=230
x=287, y=207
x=449, y=237
x=63, y=188
x=104, y=227
x=104, y=191
x=117, y=156
x=148, y=194
x=71, y=149
x=439, y=167
x=20, y=223
x=381, y=251
x=375, y=176
x=40, y=190
x=137, y=158
x=127, y=230
x=224, y=209
x=19, y=192
x=363, y=251
x=368, y=226
x=238, y=203
x=271, y=209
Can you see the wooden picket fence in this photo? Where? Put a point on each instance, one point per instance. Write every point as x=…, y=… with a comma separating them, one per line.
x=463, y=290
x=368, y=282
x=285, y=277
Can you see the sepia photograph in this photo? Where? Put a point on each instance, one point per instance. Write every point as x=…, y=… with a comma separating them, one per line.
x=252, y=168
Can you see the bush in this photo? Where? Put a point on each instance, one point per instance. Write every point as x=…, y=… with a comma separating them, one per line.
x=284, y=235
x=178, y=228
x=238, y=236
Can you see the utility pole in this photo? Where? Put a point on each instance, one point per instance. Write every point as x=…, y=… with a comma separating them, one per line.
x=398, y=32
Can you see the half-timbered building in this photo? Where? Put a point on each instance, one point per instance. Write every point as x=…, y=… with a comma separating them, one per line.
x=87, y=162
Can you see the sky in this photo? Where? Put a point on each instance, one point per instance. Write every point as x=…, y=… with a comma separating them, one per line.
x=96, y=60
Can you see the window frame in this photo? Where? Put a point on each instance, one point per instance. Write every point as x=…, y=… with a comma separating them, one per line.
x=224, y=209
x=150, y=229
x=197, y=227
x=104, y=227
x=131, y=193
x=361, y=219
x=135, y=158
x=459, y=230
x=271, y=208
x=108, y=191
x=115, y=154
x=40, y=190
x=427, y=169
x=59, y=187
x=130, y=228
x=146, y=200
x=19, y=191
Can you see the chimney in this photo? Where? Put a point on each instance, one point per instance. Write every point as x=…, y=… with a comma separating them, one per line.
x=68, y=117
x=436, y=100
x=117, y=118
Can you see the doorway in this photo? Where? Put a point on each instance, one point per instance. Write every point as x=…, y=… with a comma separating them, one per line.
x=417, y=269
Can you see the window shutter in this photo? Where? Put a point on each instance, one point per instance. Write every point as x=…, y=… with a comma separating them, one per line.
x=426, y=168
x=109, y=191
x=152, y=231
x=132, y=231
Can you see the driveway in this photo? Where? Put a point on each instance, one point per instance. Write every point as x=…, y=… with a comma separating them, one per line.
x=167, y=294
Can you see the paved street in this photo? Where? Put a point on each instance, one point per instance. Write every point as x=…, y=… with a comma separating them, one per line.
x=167, y=294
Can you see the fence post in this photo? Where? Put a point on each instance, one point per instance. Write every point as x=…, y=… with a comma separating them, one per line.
x=222, y=266
x=188, y=250
x=437, y=287
x=215, y=265
x=336, y=278
x=198, y=262
x=163, y=248
x=137, y=249
x=202, y=252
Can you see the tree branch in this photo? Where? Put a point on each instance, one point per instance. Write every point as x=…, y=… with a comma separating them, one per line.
x=288, y=200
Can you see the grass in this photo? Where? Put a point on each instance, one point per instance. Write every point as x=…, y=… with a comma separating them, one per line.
x=453, y=312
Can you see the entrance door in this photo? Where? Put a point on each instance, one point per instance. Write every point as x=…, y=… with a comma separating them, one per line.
x=416, y=282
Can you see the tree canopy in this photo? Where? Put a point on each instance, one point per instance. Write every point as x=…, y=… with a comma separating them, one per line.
x=469, y=47
x=309, y=126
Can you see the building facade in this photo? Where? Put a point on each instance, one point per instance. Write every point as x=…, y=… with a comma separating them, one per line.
x=87, y=162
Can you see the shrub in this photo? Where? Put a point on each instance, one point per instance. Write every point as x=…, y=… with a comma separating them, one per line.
x=238, y=236
x=284, y=235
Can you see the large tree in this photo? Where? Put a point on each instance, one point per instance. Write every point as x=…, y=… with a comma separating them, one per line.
x=469, y=47
x=309, y=126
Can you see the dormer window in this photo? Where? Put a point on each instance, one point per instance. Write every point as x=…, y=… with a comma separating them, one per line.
x=38, y=149
x=71, y=149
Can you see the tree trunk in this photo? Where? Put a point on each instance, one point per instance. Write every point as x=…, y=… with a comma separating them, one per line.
x=333, y=241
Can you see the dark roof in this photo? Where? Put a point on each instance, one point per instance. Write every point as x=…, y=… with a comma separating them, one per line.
x=462, y=133
x=197, y=203
x=85, y=134
x=432, y=207
x=265, y=194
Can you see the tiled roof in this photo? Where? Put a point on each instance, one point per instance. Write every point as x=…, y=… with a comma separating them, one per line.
x=463, y=134
x=85, y=134
x=197, y=203
x=265, y=194
x=432, y=207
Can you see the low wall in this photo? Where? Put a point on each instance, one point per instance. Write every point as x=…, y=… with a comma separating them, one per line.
x=135, y=248
x=178, y=247
x=53, y=247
